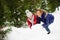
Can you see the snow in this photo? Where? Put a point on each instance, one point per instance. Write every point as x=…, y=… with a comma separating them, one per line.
x=37, y=32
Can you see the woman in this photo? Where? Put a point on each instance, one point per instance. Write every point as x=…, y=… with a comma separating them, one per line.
x=46, y=18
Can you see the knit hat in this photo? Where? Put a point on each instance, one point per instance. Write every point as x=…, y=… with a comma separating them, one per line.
x=28, y=13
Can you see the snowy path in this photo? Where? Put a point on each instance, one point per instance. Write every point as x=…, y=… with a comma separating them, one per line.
x=37, y=32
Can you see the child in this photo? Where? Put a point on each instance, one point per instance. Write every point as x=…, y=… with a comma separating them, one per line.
x=31, y=18
x=46, y=18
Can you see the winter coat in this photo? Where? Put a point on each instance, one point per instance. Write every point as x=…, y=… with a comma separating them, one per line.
x=47, y=20
x=34, y=21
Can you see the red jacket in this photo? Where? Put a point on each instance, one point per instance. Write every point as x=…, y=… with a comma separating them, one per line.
x=34, y=21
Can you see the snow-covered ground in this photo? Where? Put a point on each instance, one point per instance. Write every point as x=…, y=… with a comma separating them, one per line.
x=37, y=32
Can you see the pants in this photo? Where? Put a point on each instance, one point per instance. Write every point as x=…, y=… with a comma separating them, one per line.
x=47, y=29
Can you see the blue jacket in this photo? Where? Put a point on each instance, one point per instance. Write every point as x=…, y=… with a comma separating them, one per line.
x=46, y=20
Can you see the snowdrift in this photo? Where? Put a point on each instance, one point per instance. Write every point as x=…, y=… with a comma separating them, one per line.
x=37, y=32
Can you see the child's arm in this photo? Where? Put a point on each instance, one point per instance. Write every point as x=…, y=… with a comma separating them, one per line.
x=29, y=23
x=31, y=20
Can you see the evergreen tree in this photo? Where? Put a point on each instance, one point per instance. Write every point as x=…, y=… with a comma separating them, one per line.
x=13, y=11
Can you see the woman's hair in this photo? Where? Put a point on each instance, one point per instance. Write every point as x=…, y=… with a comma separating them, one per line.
x=41, y=10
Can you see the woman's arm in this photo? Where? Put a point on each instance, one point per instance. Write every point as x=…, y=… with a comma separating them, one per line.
x=45, y=12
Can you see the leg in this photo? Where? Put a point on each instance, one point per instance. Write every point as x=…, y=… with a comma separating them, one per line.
x=48, y=30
